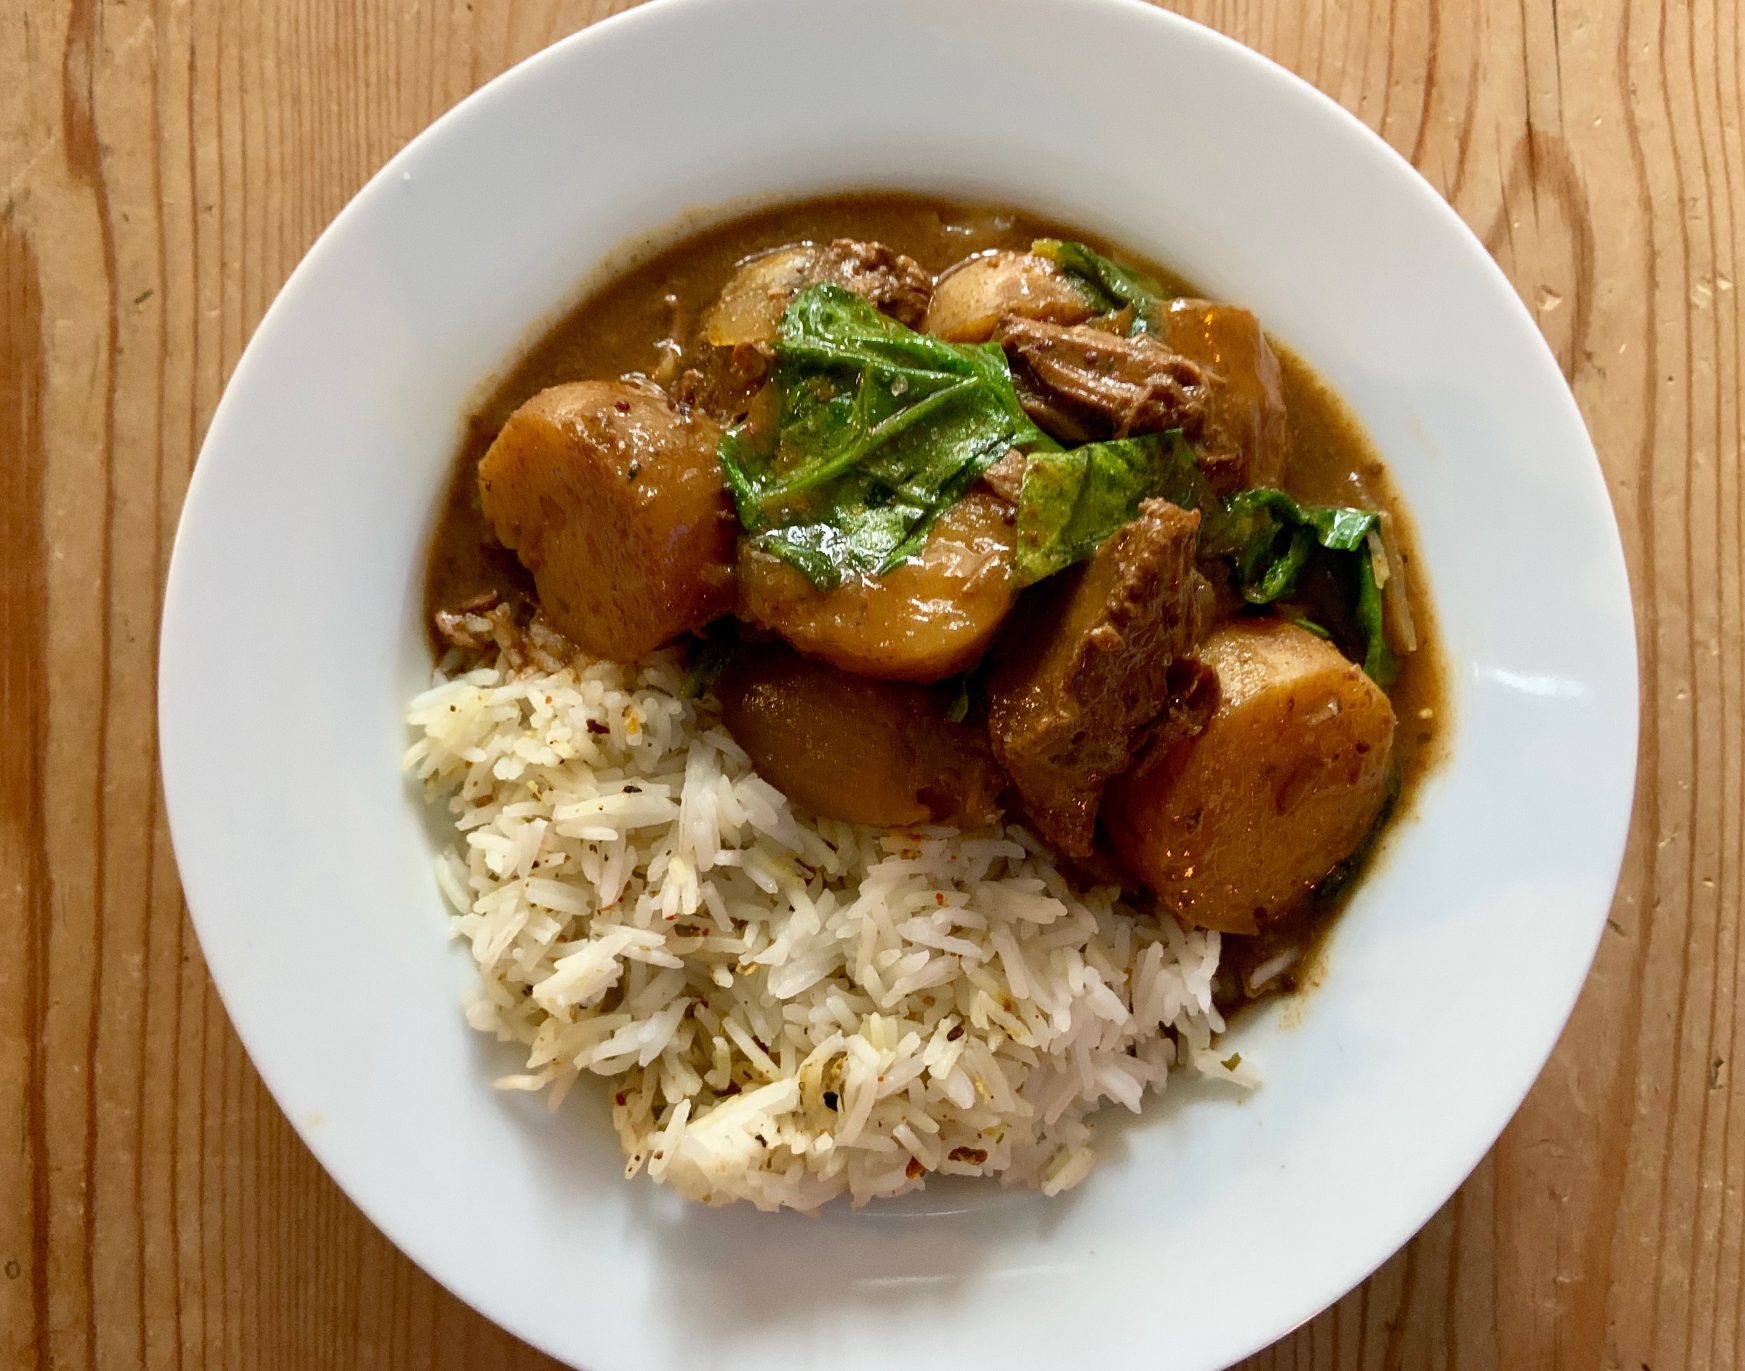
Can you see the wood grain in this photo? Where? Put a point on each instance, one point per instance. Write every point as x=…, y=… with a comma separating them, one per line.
x=166, y=162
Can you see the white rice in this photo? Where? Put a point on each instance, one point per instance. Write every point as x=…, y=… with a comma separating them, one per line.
x=787, y=1008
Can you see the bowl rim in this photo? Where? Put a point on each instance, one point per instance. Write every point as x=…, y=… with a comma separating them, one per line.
x=647, y=21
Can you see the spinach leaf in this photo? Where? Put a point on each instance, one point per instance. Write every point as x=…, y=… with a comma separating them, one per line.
x=957, y=707
x=1071, y=501
x=710, y=653
x=1272, y=540
x=880, y=429
x=1110, y=283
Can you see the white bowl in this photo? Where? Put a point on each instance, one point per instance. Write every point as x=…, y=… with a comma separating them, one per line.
x=291, y=639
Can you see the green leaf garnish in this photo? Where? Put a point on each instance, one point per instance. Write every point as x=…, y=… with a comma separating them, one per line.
x=1272, y=540
x=711, y=652
x=880, y=430
x=1109, y=283
x=1071, y=501
x=957, y=707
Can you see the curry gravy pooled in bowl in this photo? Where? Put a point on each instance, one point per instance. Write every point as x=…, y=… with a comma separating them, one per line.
x=906, y=674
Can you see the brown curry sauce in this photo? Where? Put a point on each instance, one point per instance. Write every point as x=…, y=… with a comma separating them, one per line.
x=618, y=328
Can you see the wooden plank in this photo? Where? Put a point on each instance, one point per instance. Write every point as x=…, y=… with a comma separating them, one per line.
x=166, y=164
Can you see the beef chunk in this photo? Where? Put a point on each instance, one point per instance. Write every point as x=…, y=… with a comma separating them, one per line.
x=1081, y=382
x=893, y=283
x=1191, y=700
x=1076, y=690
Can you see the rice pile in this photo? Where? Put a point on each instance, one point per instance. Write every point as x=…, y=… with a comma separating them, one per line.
x=786, y=1008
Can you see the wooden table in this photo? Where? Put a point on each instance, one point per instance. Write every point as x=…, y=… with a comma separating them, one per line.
x=166, y=162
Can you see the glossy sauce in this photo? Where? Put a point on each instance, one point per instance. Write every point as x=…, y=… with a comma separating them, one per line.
x=619, y=326
x=633, y=322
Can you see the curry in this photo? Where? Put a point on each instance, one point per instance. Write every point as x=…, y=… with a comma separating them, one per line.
x=967, y=516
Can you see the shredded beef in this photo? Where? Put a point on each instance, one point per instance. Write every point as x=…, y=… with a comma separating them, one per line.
x=1081, y=382
x=892, y=282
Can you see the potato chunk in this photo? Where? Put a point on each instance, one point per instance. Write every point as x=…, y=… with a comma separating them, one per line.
x=926, y=619
x=1239, y=824
x=972, y=297
x=846, y=747
x=750, y=306
x=611, y=496
x=1246, y=441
